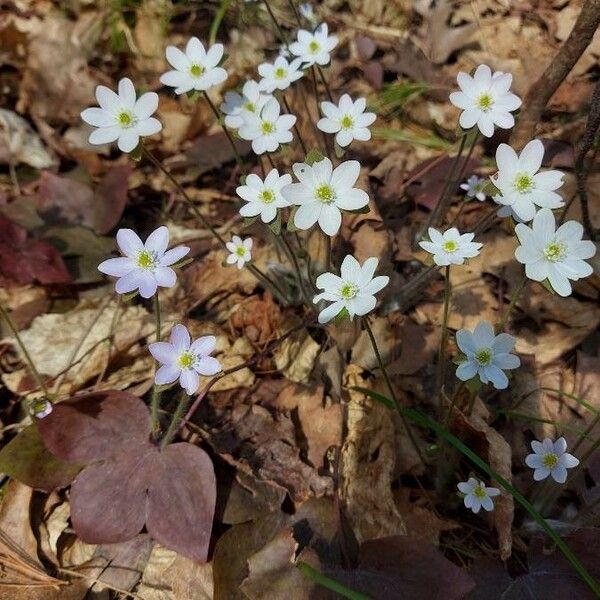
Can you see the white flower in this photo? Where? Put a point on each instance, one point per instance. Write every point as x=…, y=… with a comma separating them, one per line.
x=236, y=106
x=121, y=117
x=267, y=130
x=354, y=291
x=349, y=120
x=474, y=187
x=322, y=192
x=314, y=47
x=40, y=408
x=263, y=197
x=485, y=100
x=554, y=254
x=521, y=186
x=450, y=247
x=185, y=360
x=240, y=251
x=486, y=355
x=477, y=495
x=144, y=266
x=194, y=69
x=550, y=458
x=279, y=75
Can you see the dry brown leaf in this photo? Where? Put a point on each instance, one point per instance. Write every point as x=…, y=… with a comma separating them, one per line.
x=495, y=450
x=368, y=462
x=20, y=143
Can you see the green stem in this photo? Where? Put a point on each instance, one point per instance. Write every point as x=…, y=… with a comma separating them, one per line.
x=15, y=332
x=296, y=265
x=512, y=303
x=441, y=372
x=252, y=268
x=423, y=420
x=324, y=82
x=329, y=583
x=174, y=425
x=155, y=399
x=391, y=389
x=219, y=16
x=226, y=131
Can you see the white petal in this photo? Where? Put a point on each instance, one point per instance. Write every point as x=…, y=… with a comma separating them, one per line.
x=170, y=257
x=330, y=219
x=208, y=366
x=166, y=374
x=98, y=117
x=189, y=381
x=163, y=352
x=165, y=277
x=531, y=157
x=148, y=126
x=129, y=242
x=117, y=267
x=105, y=135
x=180, y=338
x=177, y=59
x=146, y=105
x=204, y=345
x=127, y=93
x=128, y=140
x=129, y=282
x=148, y=284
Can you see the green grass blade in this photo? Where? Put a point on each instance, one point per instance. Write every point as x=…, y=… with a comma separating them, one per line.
x=423, y=420
x=402, y=135
x=329, y=583
x=577, y=399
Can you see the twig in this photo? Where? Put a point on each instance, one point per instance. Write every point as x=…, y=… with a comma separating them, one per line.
x=542, y=90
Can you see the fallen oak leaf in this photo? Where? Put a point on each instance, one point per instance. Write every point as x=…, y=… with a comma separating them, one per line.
x=129, y=480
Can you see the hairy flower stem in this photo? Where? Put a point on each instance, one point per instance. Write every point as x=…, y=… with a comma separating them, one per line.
x=441, y=370
x=226, y=131
x=512, y=303
x=174, y=425
x=296, y=265
x=391, y=390
x=439, y=208
x=13, y=328
x=155, y=399
x=263, y=277
x=296, y=130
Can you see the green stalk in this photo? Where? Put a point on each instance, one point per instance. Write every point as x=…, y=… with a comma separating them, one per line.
x=155, y=399
x=174, y=425
x=441, y=372
x=420, y=419
x=329, y=583
x=512, y=303
x=226, y=131
x=396, y=402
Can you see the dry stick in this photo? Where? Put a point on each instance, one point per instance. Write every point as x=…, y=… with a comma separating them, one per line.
x=111, y=339
x=587, y=141
x=271, y=346
x=391, y=390
x=543, y=89
x=238, y=158
x=252, y=268
x=41, y=385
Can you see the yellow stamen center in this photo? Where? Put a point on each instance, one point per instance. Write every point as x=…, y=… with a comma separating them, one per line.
x=146, y=259
x=196, y=70
x=480, y=492
x=267, y=196
x=280, y=73
x=347, y=122
x=523, y=183
x=126, y=119
x=349, y=290
x=555, y=251
x=450, y=246
x=241, y=251
x=550, y=460
x=186, y=360
x=325, y=194
x=484, y=356
x=249, y=106
x=267, y=127
x=485, y=102
x=314, y=47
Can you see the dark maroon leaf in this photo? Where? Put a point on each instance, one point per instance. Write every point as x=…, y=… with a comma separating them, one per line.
x=131, y=481
x=24, y=260
x=429, y=180
x=401, y=567
x=65, y=201
x=108, y=499
x=94, y=426
x=181, y=500
x=26, y=459
x=110, y=198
